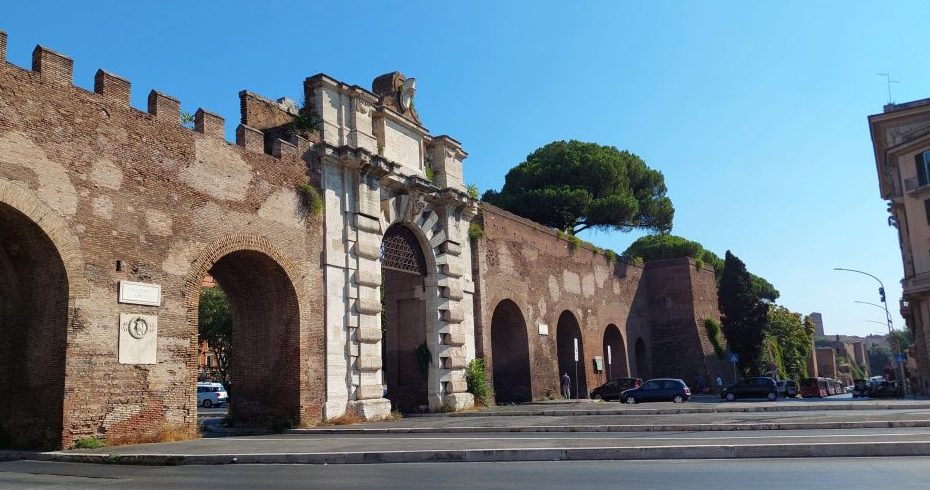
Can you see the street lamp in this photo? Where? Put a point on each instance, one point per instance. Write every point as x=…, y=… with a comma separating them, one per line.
x=894, y=338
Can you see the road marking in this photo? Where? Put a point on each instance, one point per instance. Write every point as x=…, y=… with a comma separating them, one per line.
x=741, y=437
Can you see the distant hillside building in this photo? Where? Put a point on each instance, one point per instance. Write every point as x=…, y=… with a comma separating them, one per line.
x=817, y=318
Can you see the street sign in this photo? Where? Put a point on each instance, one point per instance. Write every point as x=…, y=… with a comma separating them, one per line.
x=576, y=350
x=734, y=358
x=899, y=357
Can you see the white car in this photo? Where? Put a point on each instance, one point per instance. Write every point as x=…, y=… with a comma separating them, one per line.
x=211, y=395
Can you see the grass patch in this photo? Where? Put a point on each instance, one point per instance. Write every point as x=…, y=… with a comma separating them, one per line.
x=475, y=232
x=348, y=418
x=164, y=433
x=88, y=443
x=311, y=196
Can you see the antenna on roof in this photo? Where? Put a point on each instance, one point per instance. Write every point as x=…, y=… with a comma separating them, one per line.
x=889, y=81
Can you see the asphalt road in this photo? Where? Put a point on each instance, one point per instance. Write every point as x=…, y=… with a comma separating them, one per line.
x=846, y=473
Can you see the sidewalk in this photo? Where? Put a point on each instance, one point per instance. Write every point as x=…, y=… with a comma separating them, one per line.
x=555, y=432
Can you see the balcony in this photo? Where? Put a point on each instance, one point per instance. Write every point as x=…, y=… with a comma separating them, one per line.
x=916, y=284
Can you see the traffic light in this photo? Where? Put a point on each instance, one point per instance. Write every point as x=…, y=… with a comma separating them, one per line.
x=881, y=294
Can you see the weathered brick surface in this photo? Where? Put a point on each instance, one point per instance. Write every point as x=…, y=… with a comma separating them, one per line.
x=87, y=178
x=529, y=265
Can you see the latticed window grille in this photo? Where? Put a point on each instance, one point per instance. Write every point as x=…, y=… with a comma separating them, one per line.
x=400, y=251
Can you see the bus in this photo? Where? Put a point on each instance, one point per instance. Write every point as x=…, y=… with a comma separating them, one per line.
x=811, y=387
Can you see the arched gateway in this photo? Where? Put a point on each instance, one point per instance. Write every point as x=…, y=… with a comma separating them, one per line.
x=510, y=354
x=33, y=333
x=568, y=334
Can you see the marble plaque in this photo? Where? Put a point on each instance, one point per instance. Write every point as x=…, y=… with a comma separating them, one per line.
x=138, y=338
x=139, y=293
x=543, y=329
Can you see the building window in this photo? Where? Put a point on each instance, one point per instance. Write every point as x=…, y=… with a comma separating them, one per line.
x=927, y=208
x=922, y=161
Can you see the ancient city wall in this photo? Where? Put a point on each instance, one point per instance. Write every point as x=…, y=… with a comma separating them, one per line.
x=128, y=195
x=660, y=308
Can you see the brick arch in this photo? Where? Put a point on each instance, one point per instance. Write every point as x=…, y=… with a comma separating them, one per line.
x=270, y=319
x=57, y=230
x=400, y=211
x=615, y=364
x=41, y=277
x=510, y=354
x=567, y=329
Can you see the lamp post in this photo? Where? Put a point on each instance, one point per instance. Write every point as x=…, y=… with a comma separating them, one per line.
x=894, y=338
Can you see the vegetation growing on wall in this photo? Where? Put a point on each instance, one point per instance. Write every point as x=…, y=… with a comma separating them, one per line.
x=477, y=379
x=311, y=196
x=788, y=341
x=713, y=334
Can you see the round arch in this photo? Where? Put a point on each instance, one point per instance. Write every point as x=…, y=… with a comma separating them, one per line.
x=34, y=318
x=642, y=358
x=510, y=354
x=567, y=333
x=266, y=362
x=614, y=353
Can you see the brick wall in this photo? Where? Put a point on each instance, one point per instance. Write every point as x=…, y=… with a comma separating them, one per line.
x=527, y=264
x=109, y=184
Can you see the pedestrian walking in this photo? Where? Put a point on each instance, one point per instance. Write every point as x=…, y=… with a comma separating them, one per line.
x=719, y=383
x=566, y=386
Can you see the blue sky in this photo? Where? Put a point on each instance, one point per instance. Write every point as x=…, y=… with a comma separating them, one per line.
x=754, y=111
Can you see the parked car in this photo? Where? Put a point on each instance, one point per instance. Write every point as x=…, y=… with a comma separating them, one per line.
x=885, y=389
x=787, y=388
x=612, y=389
x=758, y=387
x=211, y=395
x=658, y=390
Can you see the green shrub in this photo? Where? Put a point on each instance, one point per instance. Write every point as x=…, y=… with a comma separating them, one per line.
x=430, y=173
x=637, y=261
x=713, y=334
x=312, y=198
x=574, y=243
x=475, y=231
x=699, y=264
x=477, y=380
x=473, y=192
x=88, y=443
x=611, y=256
x=187, y=120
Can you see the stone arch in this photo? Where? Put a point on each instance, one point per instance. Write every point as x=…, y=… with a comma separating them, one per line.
x=642, y=358
x=614, y=353
x=510, y=354
x=41, y=273
x=270, y=357
x=405, y=318
x=567, y=331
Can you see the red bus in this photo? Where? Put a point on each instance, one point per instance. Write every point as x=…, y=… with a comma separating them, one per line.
x=811, y=387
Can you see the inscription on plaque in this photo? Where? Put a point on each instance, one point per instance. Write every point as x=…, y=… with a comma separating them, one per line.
x=138, y=338
x=139, y=293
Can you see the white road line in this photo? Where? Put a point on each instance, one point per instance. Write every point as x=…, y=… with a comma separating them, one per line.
x=389, y=439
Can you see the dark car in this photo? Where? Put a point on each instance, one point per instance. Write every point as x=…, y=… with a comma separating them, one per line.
x=885, y=389
x=861, y=388
x=658, y=390
x=611, y=389
x=759, y=387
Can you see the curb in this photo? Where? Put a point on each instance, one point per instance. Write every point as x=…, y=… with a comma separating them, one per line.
x=678, y=411
x=876, y=424
x=817, y=450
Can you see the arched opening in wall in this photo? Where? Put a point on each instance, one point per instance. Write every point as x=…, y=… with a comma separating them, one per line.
x=405, y=354
x=614, y=353
x=642, y=360
x=264, y=338
x=568, y=334
x=510, y=354
x=33, y=334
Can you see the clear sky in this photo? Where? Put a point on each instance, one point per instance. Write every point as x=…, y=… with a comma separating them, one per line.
x=754, y=111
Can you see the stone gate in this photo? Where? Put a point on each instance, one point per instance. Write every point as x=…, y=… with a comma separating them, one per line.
x=111, y=218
